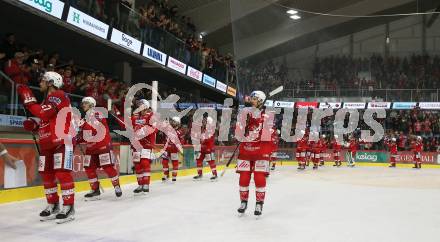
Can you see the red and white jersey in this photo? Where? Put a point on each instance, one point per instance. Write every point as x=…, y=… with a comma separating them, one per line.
x=47, y=113
x=392, y=147
x=417, y=146
x=207, y=144
x=95, y=122
x=353, y=146
x=172, y=148
x=141, y=126
x=336, y=146
x=321, y=145
x=302, y=144
x=256, y=149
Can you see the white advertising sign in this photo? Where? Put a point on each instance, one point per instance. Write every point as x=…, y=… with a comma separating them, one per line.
x=87, y=23
x=283, y=104
x=176, y=65
x=429, y=105
x=354, y=105
x=221, y=86
x=194, y=73
x=379, y=105
x=52, y=7
x=154, y=55
x=126, y=41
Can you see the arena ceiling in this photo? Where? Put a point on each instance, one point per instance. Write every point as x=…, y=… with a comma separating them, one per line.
x=224, y=24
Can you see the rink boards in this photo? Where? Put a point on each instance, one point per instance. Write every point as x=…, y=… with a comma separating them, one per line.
x=27, y=193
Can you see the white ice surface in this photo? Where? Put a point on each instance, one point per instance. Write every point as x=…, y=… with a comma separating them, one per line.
x=328, y=205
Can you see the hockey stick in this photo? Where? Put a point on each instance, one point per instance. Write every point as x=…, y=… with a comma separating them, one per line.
x=271, y=94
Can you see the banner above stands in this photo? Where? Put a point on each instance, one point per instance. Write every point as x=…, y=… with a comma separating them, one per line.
x=176, y=65
x=283, y=104
x=221, y=86
x=330, y=105
x=429, y=105
x=154, y=55
x=194, y=73
x=87, y=23
x=209, y=80
x=51, y=7
x=379, y=105
x=354, y=105
x=126, y=41
x=404, y=105
x=306, y=104
x=232, y=91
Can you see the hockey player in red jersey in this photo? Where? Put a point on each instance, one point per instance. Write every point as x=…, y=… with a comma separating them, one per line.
x=316, y=152
x=275, y=141
x=352, y=149
x=206, y=152
x=56, y=155
x=301, y=149
x=254, y=156
x=172, y=151
x=142, y=157
x=392, y=146
x=417, y=148
x=323, y=149
x=98, y=152
x=336, y=151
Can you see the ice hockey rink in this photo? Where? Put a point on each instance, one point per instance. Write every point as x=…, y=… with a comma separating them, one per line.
x=346, y=204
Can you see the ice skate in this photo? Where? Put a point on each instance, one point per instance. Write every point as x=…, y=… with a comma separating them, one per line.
x=242, y=208
x=214, y=178
x=198, y=178
x=138, y=190
x=118, y=191
x=174, y=180
x=164, y=179
x=258, y=209
x=66, y=214
x=145, y=188
x=93, y=195
x=50, y=212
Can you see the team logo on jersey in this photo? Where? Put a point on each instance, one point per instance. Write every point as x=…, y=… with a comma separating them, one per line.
x=54, y=100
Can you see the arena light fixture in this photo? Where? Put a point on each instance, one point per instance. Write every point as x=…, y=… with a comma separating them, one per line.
x=292, y=12
x=295, y=17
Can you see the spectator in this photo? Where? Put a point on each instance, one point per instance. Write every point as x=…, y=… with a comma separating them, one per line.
x=9, y=46
x=17, y=70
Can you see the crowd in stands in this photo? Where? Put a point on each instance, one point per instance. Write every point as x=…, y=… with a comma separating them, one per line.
x=412, y=72
x=25, y=66
x=158, y=23
x=338, y=73
x=264, y=77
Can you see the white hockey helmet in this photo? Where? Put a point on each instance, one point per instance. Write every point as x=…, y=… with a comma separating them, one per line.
x=176, y=119
x=323, y=136
x=303, y=132
x=142, y=105
x=90, y=100
x=336, y=136
x=54, y=78
x=419, y=138
x=209, y=120
x=393, y=139
x=259, y=95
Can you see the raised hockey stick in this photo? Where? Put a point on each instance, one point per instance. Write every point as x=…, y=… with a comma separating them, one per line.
x=271, y=94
